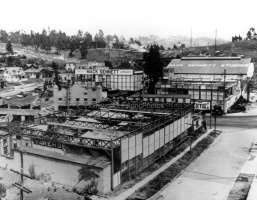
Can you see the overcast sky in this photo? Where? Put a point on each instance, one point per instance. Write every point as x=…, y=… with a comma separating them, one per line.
x=132, y=18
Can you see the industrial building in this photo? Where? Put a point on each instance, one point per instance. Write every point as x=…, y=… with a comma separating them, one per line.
x=122, y=79
x=178, y=98
x=209, y=80
x=117, y=139
x=77, y=95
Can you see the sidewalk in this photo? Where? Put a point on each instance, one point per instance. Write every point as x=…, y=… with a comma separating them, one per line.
x=130, y=191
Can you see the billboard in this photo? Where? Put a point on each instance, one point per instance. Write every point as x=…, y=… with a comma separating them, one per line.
x=202, y=105
x=105, y=71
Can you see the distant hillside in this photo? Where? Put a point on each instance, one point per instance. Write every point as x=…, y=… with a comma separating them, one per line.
x=168, y=42
x=244, y=47
x=248, y=48
x=113, y=55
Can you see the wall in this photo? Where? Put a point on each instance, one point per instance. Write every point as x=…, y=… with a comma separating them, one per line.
x=78, y=92
x=62, y=172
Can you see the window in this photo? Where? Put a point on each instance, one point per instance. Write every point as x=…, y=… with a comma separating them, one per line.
x=69, y=99
x=85, y=99
x=85, y=93
x=60, y=99
x=77, y=99
x=5, y=150
x=94, y=99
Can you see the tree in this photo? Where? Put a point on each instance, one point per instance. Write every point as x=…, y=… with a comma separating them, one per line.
x=249, y=34
x=10, y=61
x=8, y=47
x=153, y=67
x=2, y=191
x=56, y=75
x=88, y=173
x=100, y=40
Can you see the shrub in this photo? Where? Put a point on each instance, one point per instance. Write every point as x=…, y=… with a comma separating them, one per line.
x=2, y=190
x=32, y=171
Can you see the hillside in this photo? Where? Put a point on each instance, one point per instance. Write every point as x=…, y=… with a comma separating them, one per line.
x=248, y=48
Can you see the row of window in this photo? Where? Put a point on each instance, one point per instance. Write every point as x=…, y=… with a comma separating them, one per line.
x=78, y=99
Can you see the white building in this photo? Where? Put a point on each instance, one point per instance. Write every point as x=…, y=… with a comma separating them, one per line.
x=14, y=74
x=77, y=95
x=122, y=79
x=209, y=80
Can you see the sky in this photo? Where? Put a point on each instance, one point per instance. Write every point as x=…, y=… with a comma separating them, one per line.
x=132, y=18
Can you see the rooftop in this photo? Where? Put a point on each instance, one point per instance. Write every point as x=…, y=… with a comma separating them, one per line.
x=50, y=154
x=212, y=65
x=100, y=124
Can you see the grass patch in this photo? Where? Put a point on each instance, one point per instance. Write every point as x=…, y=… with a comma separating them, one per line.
x=154, y=185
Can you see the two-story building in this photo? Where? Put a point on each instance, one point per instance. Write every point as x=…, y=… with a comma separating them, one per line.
x=14, y=74
x=209, y=80
x=77, y=95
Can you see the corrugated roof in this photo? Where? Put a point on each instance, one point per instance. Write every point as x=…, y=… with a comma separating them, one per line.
x=212, y=66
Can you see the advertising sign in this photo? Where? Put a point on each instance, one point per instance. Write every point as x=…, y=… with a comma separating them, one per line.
x=45, y=143
x=105, y=71
x=202, y=105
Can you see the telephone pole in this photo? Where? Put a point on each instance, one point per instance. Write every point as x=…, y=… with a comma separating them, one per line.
x=215, y=38
x=191, y=39
x=20, y=185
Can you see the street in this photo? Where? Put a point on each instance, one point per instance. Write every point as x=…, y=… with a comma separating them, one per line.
x=213, y=174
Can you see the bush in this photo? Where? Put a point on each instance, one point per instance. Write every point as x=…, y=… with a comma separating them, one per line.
x=2, y=190
x=32, y=171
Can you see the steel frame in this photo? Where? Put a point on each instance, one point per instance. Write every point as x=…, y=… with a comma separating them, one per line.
x=65, y=118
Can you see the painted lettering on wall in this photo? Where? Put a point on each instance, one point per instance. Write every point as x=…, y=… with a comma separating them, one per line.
x=46, y=143
x=104, y=71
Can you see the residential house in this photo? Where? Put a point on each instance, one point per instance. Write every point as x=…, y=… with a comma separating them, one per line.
x=14, y=74
x=33, y=73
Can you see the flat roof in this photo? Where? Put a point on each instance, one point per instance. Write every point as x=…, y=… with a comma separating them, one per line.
x=74, y=159
x=161, y=96
x=212, y=66
x=93, y=133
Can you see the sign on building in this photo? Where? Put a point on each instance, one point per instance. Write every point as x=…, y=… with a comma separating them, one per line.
x=105, y=71
x=46, y=143
x=202, y=105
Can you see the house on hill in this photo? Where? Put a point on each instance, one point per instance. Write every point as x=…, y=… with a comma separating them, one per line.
x=14, y=74
x=33, y=73
x=29, y=66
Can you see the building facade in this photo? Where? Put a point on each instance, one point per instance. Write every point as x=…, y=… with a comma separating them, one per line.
x=122, y=79
x=77, y=95
x=209, y=80
x=14, y=74
x=117, y=142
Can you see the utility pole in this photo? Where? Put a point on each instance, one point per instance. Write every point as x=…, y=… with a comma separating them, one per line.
x=224, y=92
x=20, y=186
x=215, y=38
x=191, y=39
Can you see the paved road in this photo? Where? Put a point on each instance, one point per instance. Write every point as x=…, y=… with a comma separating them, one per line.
x=213, y=174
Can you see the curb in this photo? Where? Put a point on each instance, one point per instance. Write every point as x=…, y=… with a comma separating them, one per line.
x=157, y=196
